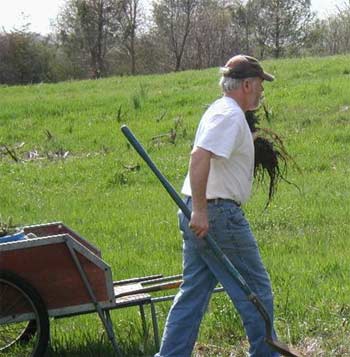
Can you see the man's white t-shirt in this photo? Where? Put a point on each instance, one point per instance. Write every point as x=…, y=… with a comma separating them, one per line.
x=224, y=131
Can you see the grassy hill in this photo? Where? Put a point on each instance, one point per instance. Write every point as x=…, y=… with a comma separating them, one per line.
x=69, y=162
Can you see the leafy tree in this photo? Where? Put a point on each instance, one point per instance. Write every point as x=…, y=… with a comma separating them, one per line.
x=284, y=24
x=25, y=58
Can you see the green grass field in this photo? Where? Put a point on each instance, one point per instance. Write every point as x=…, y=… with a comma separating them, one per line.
x=73, y=165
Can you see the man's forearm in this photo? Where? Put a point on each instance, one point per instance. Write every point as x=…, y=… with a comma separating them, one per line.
x=199, y=172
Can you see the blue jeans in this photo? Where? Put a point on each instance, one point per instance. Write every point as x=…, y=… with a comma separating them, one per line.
x=201, y=272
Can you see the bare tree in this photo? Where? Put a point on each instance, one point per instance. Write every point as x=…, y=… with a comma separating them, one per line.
x=333, y=30
x=173, y=20
x=243, y=20
x=129, y=22
x=344, y=18
x=211, y=40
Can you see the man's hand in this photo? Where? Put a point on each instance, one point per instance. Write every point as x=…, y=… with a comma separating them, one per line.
x=199, y=223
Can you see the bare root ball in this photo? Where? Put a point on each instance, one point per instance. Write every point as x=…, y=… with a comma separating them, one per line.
x=271, y=157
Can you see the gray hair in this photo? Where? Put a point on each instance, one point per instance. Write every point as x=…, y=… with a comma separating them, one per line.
x=228, y=84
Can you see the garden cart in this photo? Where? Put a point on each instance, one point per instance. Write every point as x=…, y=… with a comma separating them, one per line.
x=53, y=273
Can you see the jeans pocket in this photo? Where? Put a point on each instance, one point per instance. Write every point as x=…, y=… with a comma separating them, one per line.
x=235, y=217
x=231, y=229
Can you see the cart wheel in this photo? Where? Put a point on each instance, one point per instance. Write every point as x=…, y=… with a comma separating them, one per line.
x=29, y=332
x=24, y=322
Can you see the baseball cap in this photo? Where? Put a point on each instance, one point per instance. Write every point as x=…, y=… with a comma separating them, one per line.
x=243, y=66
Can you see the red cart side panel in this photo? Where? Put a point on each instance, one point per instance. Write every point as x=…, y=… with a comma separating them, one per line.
x=51, y=270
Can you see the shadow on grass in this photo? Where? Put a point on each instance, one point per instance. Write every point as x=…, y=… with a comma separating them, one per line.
x=96, y=350
x=102, y=348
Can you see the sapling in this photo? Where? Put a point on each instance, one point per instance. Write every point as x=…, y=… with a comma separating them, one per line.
x=7, y=227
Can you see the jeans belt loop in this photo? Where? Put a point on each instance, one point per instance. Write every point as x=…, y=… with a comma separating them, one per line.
x=187, y=199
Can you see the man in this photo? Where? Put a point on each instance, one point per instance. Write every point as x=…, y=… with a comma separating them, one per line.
x=219, y=180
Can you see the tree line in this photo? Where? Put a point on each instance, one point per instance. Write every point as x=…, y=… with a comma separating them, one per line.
x=100, y=38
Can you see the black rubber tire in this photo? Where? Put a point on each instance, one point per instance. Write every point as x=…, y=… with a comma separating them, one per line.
x=15, y=335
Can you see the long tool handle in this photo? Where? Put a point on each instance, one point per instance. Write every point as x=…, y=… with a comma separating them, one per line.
x=211, y=242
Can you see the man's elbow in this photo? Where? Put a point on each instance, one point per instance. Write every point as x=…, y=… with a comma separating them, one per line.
x=200, y=153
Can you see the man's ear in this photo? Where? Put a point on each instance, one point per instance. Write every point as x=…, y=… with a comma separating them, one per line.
x=246, y=85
